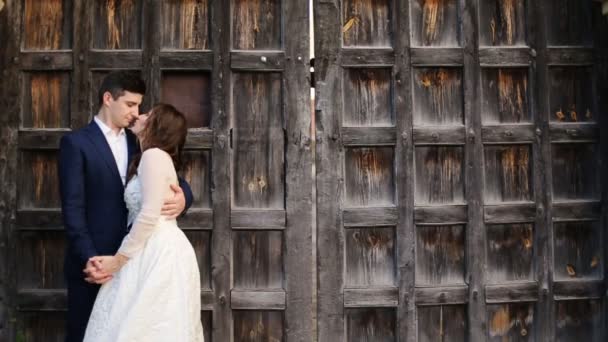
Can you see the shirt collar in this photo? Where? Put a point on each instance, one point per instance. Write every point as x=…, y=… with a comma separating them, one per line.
x=105, y=129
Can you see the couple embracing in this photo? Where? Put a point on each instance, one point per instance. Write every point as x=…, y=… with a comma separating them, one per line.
x=131, y=273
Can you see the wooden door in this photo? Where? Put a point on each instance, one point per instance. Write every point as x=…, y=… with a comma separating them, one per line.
x=458, y=170
x=239, y=71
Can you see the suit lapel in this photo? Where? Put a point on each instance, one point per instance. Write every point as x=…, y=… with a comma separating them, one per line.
x=101, y=144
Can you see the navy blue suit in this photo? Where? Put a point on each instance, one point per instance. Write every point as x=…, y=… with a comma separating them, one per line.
x=94, y=213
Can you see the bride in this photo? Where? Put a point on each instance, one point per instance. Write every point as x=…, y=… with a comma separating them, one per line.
x=154, y=291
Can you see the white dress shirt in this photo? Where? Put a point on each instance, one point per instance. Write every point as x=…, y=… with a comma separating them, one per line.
x=118, y=145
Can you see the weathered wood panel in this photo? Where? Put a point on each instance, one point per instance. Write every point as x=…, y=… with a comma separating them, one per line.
x=258, y=259
x=577, y=250
x=575, y=174
x=185, y=24
x=439, y=175
x=48, y=102
x=369, y=94
x=258, y=141
x=207, y=320
x=438, y=96
x=256, y=24
x=258, y=326
x=38, y=187
x=508, y=173
x=440, y=253
x=569, y=22
x=572, y=97
x=369, y=176
x=47, y=25
x=511, y=323
x=509, y=253
x=435, y=22
x=446, y=323
x=117, y=24
x=196, y=170
x=370, y=257
x=578, y=320
x=41, y=257
x=502, y=22
x=190, y=93
x=372, y=324
x=505, y=96
x=41, y=326
x=201, y=242
x=366, y=23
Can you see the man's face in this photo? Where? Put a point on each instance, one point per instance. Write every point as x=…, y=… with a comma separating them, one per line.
x=125, y=109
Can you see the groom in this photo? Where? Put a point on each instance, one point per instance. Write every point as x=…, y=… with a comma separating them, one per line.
x=93, y=163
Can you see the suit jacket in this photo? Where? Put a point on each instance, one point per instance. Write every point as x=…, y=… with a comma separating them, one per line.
x=92, y=196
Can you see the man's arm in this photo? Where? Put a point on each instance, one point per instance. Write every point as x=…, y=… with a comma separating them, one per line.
x=71, y=181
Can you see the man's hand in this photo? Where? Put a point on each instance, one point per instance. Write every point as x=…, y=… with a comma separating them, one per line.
x=94, y=274
x=174, y=206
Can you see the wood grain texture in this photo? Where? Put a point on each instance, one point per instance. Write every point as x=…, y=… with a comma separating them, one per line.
x=258, y=141
x=258, y=259
x=439, y=175
x=575, y=174
x=511, y=322
x=445, y=323
x=509, y=253
x=256, y=24
x=435, y=22
x=508, y=173
x=369, y=176
x=502, y=22
x=438, y=96
x=577, y=250
x=370, y=325
x=47, y=25
x=41, y=256
x=366, y=23
x=568, y=22
x=32, y=325
x=48, y=103
x=578, y=320
x=440, y=253
x=258, y=326
x=118, y=24
x=38, y=180
x=185, y=25
x=571, y=91
x=367, y=94
x=201, y=242
x=505, y=96
x=370, y=257
x=196, y=170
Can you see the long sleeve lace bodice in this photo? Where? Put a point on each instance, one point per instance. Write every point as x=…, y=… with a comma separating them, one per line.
x=154, y=174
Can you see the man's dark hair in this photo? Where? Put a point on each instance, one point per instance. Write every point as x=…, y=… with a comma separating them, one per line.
x=117, y=82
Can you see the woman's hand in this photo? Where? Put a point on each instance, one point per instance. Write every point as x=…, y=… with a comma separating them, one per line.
x=109, y=264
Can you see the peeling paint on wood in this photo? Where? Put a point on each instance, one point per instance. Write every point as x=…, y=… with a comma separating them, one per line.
x=578, y=251
x=370, y=257
x=118, y=24
x=439, y=175
x=508, y=173
x=435, y=23
x=369, y=94
x=503, y=22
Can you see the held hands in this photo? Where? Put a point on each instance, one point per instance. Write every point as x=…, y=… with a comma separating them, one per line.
x=175, y=205
x=100, y=269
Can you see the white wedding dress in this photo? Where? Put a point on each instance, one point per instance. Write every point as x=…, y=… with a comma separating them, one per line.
x=155, y=296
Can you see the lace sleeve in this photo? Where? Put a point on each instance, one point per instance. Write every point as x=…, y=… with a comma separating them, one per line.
x=155, y=173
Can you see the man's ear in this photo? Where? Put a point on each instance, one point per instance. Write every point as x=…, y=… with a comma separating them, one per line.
x=107, y=97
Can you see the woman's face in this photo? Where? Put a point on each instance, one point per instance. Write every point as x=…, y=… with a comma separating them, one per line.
x=140, y=123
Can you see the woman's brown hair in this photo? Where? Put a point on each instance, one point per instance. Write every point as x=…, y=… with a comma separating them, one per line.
x=166, y=129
